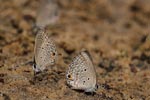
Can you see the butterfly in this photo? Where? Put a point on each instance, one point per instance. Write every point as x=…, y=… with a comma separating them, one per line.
x=81, y=74
x=45, y=52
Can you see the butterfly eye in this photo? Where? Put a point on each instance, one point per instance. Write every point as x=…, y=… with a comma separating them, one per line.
x=34, y=66
x=96, y=87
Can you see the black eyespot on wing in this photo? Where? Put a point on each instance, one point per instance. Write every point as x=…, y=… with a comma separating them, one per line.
x=83, y=82
x=84, y=69
x=88, y=78
x=53, y=54
x=69, y=76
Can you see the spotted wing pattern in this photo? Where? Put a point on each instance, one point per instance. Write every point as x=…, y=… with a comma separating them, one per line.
x=45, y=51
x=81, y=73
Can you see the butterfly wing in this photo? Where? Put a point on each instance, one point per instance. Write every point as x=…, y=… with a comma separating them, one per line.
x=39, y=40
x=89, y=72
x=81, y=73
x=47, y=13
x=45, y=51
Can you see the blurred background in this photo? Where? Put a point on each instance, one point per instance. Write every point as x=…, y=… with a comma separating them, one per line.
x=115, y=32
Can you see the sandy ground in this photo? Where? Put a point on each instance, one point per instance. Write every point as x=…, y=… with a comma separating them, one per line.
x=115, y=32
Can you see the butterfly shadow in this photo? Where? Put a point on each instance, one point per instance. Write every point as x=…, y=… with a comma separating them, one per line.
x=82, y=91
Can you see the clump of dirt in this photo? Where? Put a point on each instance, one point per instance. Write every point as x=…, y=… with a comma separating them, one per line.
x=115, y=32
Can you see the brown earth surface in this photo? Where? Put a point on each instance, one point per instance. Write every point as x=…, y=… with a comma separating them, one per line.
x=115, y=32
